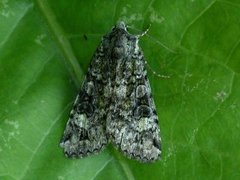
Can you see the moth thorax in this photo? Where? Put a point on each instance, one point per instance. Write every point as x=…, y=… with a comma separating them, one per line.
x=119, y=52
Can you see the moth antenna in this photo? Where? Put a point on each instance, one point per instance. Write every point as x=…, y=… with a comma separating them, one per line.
x=155, y=73
x=144, y=32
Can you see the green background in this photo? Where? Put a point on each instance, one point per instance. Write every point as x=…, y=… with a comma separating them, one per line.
x=46, y=47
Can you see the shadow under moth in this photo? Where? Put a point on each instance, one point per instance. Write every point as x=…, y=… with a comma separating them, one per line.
x=115, y=103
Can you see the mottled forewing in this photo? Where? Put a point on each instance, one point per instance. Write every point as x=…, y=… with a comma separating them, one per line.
x=85, y=130
x=132, y=122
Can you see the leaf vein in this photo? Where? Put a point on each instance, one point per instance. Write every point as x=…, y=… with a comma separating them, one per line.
x=42, y=140
x=20, y=17
x=106, y=163
x=195, y=19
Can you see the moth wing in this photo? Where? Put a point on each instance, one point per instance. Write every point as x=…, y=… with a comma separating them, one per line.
x=132, y=122
x=85, y=130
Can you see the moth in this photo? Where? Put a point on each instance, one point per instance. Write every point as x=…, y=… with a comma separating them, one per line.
x=115, y=103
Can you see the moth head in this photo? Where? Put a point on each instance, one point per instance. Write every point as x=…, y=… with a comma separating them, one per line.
x=121, y=43
x=120, y=25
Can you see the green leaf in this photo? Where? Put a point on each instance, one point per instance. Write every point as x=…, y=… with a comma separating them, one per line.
x=46, y=47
